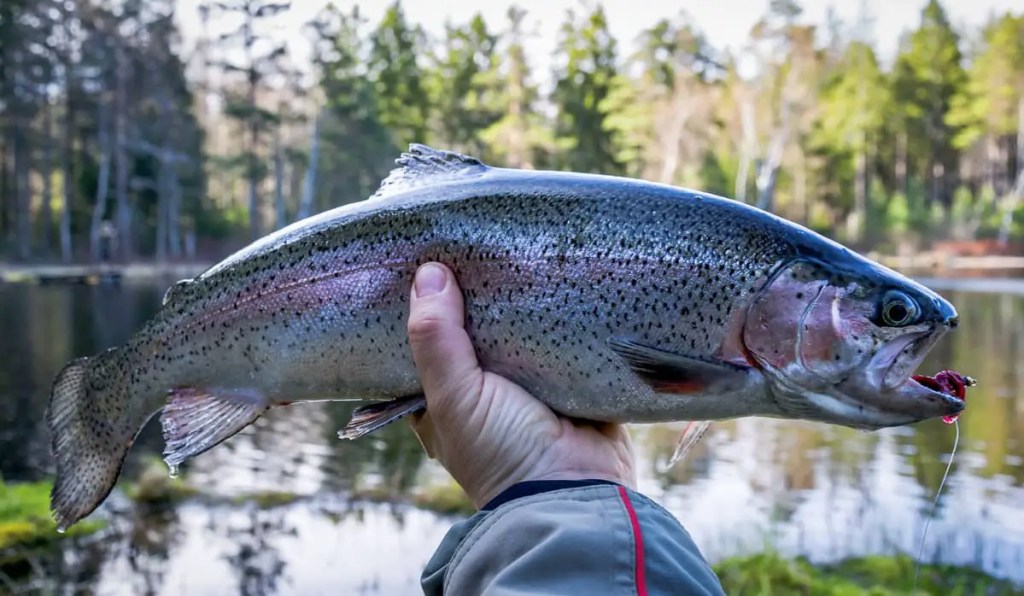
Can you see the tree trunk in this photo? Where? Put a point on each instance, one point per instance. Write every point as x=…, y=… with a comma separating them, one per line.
x=22, y=196
x=253, y=198
x=102, y=185
x=174, y=225
x=767, y=171
x=517, y=157
x=163, y=211
x=800, y=187
x=901, y=162
x=672, y=139
x=280, y=214
x=1020, y=138
x=253, y=128
x=1010, y=205
x=5, y=181
x=855, y=222
x=124, y=235
x=46, y=171
x=747, y=151
x=992, y=162
x=937, y=173
x=67, y=168
x=309, y=184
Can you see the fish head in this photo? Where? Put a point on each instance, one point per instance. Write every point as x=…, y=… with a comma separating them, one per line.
x=841, y=345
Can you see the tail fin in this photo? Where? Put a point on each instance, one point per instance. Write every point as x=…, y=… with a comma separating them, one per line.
x=90, y=438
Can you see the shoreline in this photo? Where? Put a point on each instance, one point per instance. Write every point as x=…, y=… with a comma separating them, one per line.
x=97, y=273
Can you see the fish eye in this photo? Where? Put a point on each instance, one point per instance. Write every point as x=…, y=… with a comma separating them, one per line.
x=898, y=309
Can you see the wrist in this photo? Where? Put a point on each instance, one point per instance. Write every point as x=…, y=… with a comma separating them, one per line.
x=483, y=494
x=529, y=488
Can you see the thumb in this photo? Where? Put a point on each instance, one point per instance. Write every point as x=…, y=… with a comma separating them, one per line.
x=441, y=349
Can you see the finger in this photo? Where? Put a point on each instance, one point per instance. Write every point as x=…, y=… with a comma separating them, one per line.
x=441, y=349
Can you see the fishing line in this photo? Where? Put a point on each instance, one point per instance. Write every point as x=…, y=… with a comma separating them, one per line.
x=935, y=503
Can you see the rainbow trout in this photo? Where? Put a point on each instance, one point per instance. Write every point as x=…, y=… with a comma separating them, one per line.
x=608, y=298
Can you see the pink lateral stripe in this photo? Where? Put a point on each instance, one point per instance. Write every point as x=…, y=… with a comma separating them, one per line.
x=638, y=540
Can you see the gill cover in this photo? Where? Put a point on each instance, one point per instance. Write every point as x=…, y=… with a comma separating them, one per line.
x=802, y=323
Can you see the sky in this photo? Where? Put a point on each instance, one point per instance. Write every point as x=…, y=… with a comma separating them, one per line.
x=725, y=23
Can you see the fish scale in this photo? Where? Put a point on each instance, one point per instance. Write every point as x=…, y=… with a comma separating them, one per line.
x=607, y=298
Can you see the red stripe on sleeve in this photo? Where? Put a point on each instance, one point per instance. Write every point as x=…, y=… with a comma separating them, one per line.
x=638, y=540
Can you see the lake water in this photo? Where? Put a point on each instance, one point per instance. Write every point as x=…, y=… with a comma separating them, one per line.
x=800, y=488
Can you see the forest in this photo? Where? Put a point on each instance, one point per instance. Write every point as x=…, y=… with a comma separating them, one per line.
x=117, y=145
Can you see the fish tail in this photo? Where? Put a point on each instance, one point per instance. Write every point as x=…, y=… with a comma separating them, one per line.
x=90, y=434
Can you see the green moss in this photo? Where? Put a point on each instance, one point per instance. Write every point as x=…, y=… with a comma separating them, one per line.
x=269, y=499
x=25, y=518
x=768, y=574
x=444, y=498
x=898, y=573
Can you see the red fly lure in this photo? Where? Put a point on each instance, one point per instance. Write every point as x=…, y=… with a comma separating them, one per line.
x=951, y=383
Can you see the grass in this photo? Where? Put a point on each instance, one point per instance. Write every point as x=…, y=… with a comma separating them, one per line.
x=447, y=498
x=269, y=499
x=769, y=574
x=25, y=519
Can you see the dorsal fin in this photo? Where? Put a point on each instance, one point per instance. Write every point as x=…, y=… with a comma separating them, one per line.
x=175, y=290
x=422, y=165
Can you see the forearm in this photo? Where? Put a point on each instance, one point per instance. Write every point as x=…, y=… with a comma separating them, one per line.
x=598, y=538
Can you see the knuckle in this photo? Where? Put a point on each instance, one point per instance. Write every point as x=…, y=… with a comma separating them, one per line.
x=425, y=326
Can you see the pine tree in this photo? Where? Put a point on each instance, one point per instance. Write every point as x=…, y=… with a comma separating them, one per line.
x=258, y=61
x=355, y=147
x=854, y=104
x=520, y=138
x=584, y=81
x=988, y=107
x=927, y=74
x=466, y=87
x=394, y=67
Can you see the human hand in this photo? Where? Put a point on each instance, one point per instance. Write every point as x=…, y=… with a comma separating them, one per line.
x=488, y=432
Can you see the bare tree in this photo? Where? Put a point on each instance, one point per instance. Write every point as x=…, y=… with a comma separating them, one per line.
x=121, y=115
x=309, y=182
x=99, y=208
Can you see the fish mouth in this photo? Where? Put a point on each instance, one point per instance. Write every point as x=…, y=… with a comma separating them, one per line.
x=914, y=395
x=905, y=354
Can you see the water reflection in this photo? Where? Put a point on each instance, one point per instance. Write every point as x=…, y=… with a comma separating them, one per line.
x=802, y=488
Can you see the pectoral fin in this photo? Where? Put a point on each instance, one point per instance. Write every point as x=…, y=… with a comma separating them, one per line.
x=369, y=418
x=668, y=372
x=196, y=420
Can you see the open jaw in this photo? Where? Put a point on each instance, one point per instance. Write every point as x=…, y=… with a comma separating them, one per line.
x=950, y=383
x=923, y=396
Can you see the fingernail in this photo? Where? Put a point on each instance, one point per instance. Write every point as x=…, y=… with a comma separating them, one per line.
x=430, y=280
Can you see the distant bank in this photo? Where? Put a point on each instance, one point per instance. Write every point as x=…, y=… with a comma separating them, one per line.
x=947, y=264
x=97, y=273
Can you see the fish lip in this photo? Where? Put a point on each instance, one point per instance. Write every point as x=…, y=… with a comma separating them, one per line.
x=953, y=401
x=917, y=403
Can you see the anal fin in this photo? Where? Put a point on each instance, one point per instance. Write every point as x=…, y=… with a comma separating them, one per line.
x=690, y=436
x=369, y=418
x=196, y=420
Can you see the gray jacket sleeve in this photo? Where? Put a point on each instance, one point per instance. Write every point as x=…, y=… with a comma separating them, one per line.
x=588, y=538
